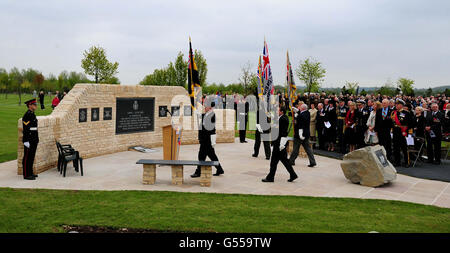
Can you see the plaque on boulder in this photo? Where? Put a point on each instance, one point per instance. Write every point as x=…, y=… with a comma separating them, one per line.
x=107, y=113
x=135, y=115
x=368, y=166
x=95, y=114
x=82, y=115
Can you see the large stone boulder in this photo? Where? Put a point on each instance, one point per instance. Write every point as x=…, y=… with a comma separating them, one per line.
x=368, y=166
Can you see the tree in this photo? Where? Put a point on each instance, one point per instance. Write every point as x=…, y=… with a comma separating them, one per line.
x=38, y=81
x=406, y=86
x=311, y=73
x=4, y=81
x=246, y=77
x=351, y=87
x=96, y=64
x=16, y=79
x=180, y=70
x=429, y=92
x=202, y=67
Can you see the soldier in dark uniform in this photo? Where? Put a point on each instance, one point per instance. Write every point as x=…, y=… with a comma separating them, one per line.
x=341, y=114
x=433, y=133
x=279, y=152
x=207, y=139
x=361, y=116
x=30, y=139
x=262, y=130
x=400, y=120
x=242, y=118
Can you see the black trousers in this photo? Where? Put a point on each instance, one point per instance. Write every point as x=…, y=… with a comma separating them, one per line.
x=242, y=133
x=258, y=144
x=296, y=149
x=321, y=137
x=28, y=159
x=434, y=148
x=340, y=136
x=384, y=139
x=206, y=150
x=399, y=144
x=277, y=156
x=41, y=101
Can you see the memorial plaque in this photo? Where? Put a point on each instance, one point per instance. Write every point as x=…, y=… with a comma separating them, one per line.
x=187, y=110
x=381, y=157
x=175, y=111
x=135, y=115
x=95, y=114
x=162, y=111
x=82, y=115
x=107, y=113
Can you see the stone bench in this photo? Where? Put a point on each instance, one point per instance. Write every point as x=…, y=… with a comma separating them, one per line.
x=149, y=176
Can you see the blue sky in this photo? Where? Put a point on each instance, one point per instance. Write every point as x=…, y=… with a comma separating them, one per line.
x=369, y=42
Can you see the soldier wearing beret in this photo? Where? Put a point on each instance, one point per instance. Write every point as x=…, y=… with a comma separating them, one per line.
x=30, y=139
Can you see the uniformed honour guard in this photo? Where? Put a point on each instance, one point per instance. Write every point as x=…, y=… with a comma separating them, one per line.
x=400, y=119
x=279, y=152
x=30, y=139
x=207, y=139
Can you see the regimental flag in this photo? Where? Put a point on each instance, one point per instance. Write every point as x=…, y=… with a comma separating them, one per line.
x=290, y=81
x=260, y=79
x=268, y=87
x=193, y=79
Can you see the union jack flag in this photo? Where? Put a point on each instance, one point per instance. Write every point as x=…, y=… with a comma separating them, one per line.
x=268, y=87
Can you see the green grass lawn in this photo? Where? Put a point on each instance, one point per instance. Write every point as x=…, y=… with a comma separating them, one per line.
x=10, y=112
x=36, y=210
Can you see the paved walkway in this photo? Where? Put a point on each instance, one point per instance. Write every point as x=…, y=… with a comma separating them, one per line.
x=243, y=174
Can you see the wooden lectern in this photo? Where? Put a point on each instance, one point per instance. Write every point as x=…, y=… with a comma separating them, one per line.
x=170, y=142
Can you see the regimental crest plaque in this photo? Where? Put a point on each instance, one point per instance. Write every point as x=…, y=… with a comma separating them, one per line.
x=187, y=110
x=135, y=115
x=162, y=111
x=82, y=115
x=107, y=113
x=381, y=157
x=175, y=111
x=95, y=114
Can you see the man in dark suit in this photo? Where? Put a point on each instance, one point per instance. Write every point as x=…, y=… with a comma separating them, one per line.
x=433, y=133
x=262, y=130
x=301, y=135
x=279, y=152
x=207, y=139
x=320, y=125
x=383, y=126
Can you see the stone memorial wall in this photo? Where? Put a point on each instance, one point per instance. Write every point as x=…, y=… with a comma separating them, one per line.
x=99, y=119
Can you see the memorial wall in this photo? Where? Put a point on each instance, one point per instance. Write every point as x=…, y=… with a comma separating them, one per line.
x=99, y=119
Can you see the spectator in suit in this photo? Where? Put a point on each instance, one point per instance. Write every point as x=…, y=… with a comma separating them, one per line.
x=301, y=135
x=433, y=128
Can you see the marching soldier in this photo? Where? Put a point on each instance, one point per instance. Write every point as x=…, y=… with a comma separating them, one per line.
x=30, y=139
x=279, y=152
x=262, y=130
x=207, y=139
x=342, y=113
x=242, y=110
x=400, y=120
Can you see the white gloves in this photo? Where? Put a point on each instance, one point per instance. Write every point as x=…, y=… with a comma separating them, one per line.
x=26, y=144
x=300, y=133
x=213, y=140
x=283, y=142
x=258, y=126
x=295, y=109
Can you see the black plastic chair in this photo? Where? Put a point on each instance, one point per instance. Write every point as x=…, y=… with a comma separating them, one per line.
x=67, y=155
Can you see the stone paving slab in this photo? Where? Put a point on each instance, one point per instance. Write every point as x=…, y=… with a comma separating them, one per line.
x=243, y=174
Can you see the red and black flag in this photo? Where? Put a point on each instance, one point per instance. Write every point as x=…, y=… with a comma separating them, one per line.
x=193, y=79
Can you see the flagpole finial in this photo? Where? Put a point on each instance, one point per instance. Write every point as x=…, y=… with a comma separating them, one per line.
x=189, y=38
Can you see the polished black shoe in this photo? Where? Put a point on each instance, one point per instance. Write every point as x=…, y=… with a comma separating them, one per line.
x=292, y=178
x=218, y=173
x=311, y=165
x=35, y=175
x=195, y=175
x=265, y=180
x=293, y=164
x=254, y=155
x=267, y=158
x=29, y=178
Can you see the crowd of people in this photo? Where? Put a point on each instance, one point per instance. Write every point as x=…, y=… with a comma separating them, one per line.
x=344, y=123
x=55, y=101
